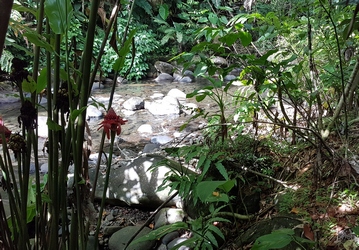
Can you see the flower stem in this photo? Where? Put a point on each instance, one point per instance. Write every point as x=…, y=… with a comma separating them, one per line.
x=109, y=162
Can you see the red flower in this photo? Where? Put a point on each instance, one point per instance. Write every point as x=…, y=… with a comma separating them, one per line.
x=4, y=130
x=112, y=122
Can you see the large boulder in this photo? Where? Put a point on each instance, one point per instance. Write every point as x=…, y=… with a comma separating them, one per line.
x=167, y=106
x=134, y=103
x=164, y=77
x=178, y=94
x=134, y=184
x=219, y=61
x=164, y=67
x=118, y=240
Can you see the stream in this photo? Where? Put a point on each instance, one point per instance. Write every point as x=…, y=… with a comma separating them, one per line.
x=130, y=138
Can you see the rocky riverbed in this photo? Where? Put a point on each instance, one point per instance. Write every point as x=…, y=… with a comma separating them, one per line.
x=155, y=112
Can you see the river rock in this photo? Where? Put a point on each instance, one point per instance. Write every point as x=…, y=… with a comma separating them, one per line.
x=145, y=129
x=93, y=112
x=185, y=79
x=235, y=72
x=164, y=67
x=168, y=216
x=189, y=108
x=42, y=126
x=164, y=77
x=161, y=139
x=134, y=103
x=229, y=78
x=157, y=95
x=134, y=184
x=121, y=80
x=177, y=241
x=170, y=100
x=219, y=61
x=119, y=239
x=162, y=107
x=178, y=94
x=150, y=148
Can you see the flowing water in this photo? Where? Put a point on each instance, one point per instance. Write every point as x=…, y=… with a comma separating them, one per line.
x=161, y=125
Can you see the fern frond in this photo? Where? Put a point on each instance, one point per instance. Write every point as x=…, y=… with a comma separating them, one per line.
x=145, y=5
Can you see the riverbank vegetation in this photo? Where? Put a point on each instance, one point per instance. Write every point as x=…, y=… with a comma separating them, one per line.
x=287, y=138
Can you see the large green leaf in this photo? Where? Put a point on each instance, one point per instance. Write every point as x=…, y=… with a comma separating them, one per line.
x=36, y=39
x=164, y=11
x=53, y=125
x=158, y=233
x=28, y=85
x=59, y=13
x=205, y=191
x=276, y=240
x=126, y=48
x=246, y=37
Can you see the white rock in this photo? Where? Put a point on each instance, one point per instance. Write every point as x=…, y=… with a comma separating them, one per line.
x=158, y=107
x=134, y=103
x=161, y=139
x=168, y=216
x=145, y=128
x=157, y=95
x=177, y=94
x=188, y=108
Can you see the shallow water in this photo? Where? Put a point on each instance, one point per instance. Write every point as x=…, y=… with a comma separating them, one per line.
x=161, y=125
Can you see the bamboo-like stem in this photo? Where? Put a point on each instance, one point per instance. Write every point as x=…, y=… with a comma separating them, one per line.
x=107, y=178
x=83, y=82
x=53, y=169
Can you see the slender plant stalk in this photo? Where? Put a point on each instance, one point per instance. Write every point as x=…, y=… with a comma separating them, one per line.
x=107, y=178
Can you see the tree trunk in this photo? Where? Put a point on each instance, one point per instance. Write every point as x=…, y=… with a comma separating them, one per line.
x=5, y=12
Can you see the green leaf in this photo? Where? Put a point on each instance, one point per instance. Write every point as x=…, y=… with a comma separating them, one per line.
x=213, y=18
x=179, y=36
x=31, y=212
x=201, y=69
x=211, y=238
x=246, y=37
x=228, y=185
x=158, y=233
x=230, y=38
x=29, y=85
x=202, y=20
x=41, y=81
x=218, y=198
x=205, y=189
x=76, y=112
x=164, y=11
x=216, y=230
x=356, y=230
x=126, y=48
x=222, y=170
x=276, y=240
x=38, y=40
x=59, y=13
x=22, y=8
x=200, y=98
x=31, y=197
x=53, y=125
x=201, y=160
x=206, y=166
